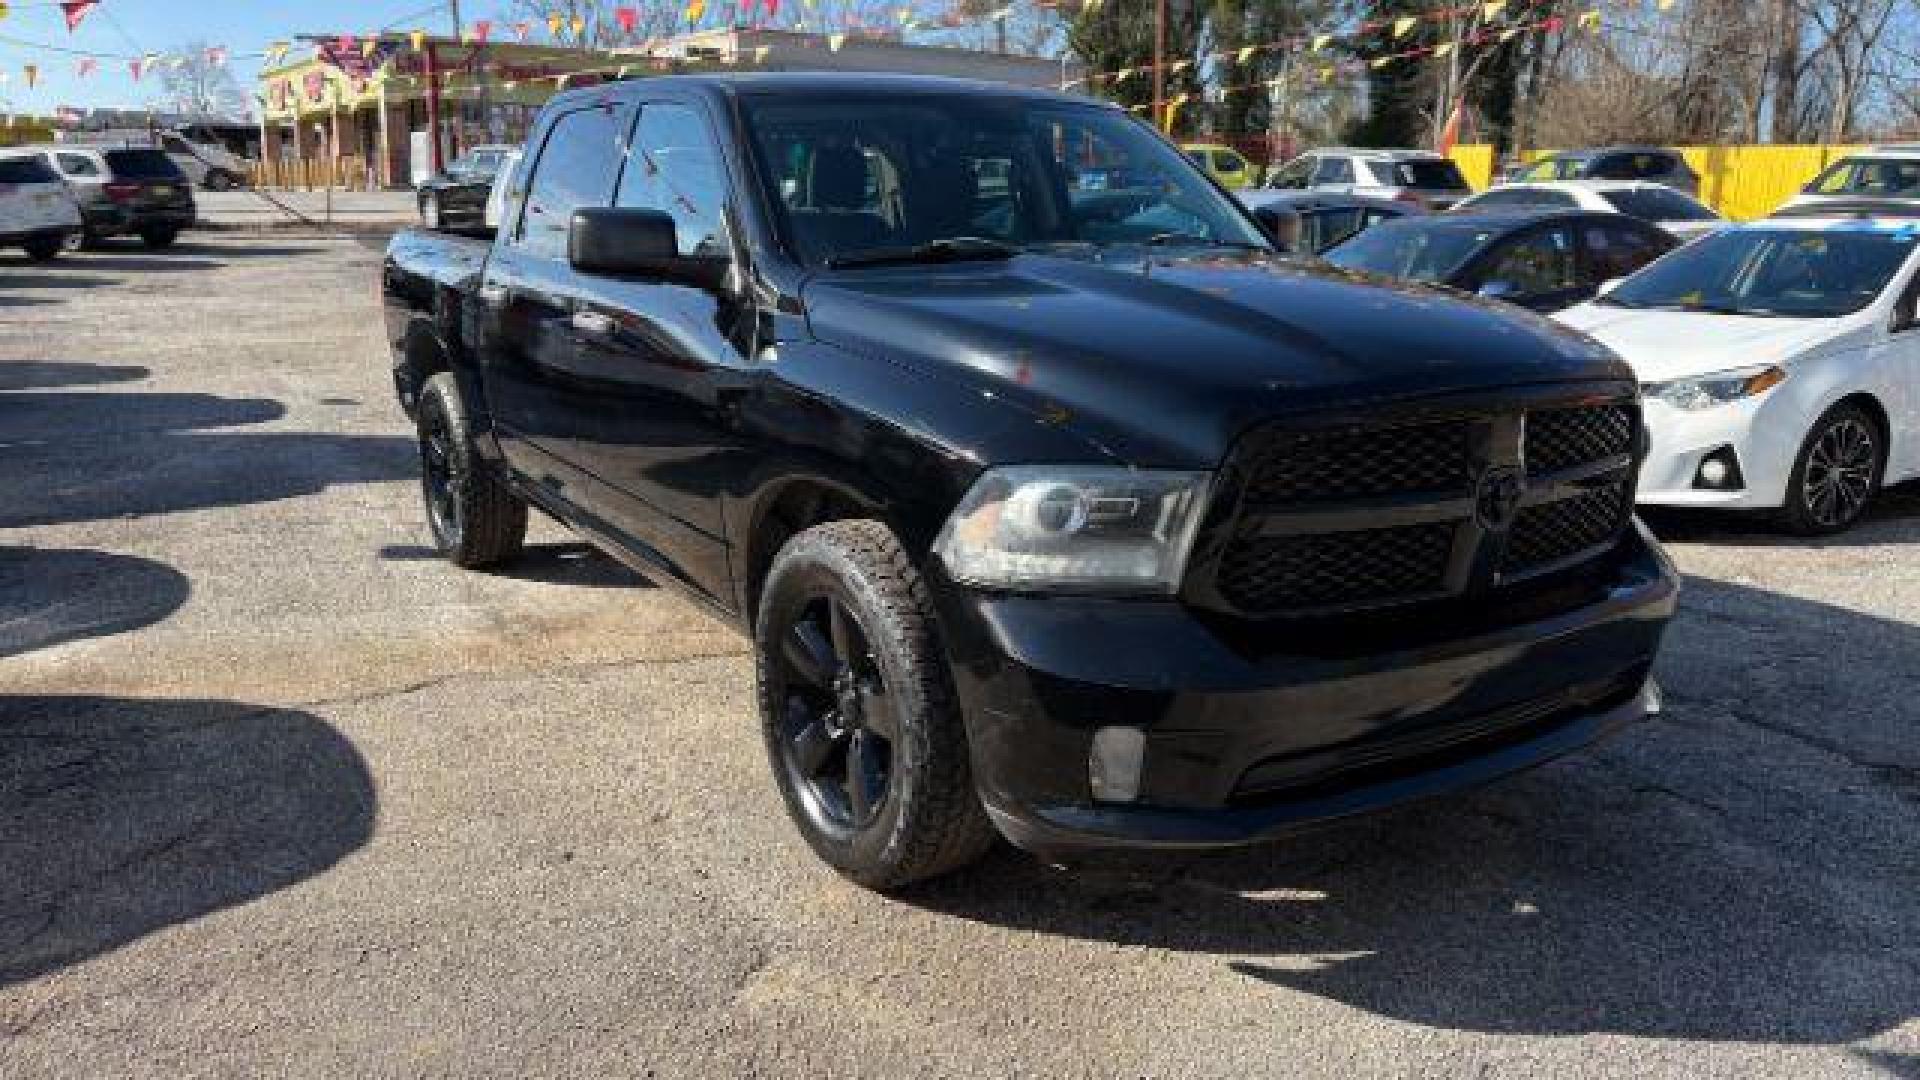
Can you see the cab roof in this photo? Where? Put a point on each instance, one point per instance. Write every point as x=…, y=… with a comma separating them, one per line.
x=820, y=84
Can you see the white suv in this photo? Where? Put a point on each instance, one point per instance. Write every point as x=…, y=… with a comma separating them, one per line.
x=37, y=209
x=1419, y=177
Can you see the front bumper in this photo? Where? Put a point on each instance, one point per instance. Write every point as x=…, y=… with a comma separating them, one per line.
x=1244, y=741
x=1761, y=431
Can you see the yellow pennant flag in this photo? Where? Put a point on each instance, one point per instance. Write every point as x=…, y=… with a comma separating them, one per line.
x=1590, y=19
x=1091, y=6
x=579, y=26
x=1443, y=49
x=835, y=41
x=1663, y=5
x=419, y=39
x=1321, y=41
x=1492, y=10
x=1122, y=76
x=760, y=54
x=554, y=22
x=1509, y=34
x=1246, y=54
x=1182, y=66
x=1380, y=61
x=1326, y=75
x=696, y=10
x=3, y=9
x=367, y=45
x=1403, y=27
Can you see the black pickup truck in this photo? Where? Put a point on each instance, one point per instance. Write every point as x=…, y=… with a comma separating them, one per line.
x=1070, y=513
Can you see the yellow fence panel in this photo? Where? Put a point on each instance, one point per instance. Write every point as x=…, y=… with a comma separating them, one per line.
x=1742, y=182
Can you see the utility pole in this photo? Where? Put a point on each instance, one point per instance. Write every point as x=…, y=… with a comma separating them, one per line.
x=1159, y=64
x=458, y=29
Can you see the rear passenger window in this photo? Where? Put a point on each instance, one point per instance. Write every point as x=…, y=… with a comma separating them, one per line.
x=1617, y=251
x=1334, y=170
x=674, y=167
x=26, y=170
x=1537, y=263
x=577, y=168
x=1615, y=167
x=78, y=165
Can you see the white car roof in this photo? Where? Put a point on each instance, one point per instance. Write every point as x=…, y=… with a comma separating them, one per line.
x=1584, y=185
x=1906, y=226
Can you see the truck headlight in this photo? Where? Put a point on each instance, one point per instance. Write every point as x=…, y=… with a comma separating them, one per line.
x=1066, y=528
x=1720, y=388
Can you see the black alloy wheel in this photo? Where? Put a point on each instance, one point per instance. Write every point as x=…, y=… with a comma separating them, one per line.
x=1838, y=471
x=839, y=724
x=476, y=520
x=438, y=477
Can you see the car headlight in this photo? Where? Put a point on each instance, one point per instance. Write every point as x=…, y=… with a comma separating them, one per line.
x=1720, y=388
x=1066, y=528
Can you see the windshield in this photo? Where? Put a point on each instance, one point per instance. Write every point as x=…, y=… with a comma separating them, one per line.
x=480, y=161
x=1880, y=178
x=1411, y=248
x=142, y=164
x=1428, y=174
x=1772, y=272
x=1658, y=204
x=866, y=174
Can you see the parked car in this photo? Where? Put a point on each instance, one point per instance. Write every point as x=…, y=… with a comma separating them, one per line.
x=205, y=164
x=1010, y=560
x=1224, y=163
x=1539, y=259
x=1420, y=177
x=505, y=187
x=1681, y=215
x=125, y=190
x=37, y=211
x=1890, y=174
x=1648, y=164
x=1310, y=222
x=1781, y=366
x=456, y=197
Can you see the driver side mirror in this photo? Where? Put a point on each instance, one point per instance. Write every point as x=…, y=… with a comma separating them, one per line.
x=629, y=242
x=1281, y=226
x=1906, y=313
x=1608, y=286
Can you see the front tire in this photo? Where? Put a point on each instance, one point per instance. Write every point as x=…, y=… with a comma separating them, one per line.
x=1837, y=472
x=45, y=249
x=476, y=521
x=864, y=737
x=159, y=238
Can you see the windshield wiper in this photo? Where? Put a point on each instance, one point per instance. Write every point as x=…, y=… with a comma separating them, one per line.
x=1609, y=300
x=1168, y=239
x=952, y=249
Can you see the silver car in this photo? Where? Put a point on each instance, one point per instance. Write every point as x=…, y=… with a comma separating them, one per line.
x=1418, y=177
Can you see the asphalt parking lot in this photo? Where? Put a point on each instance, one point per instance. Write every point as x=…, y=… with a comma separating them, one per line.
x=282, y=794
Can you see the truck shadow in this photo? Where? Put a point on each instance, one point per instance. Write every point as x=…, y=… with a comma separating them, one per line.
x=579, y=565
x=34, y=375
x=52, y=416
x=126, y=816
x=52, y=596
x=1742, y=868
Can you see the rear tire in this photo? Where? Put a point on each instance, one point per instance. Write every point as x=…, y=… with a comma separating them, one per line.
x=45, y=249
x=1836, y=474
x=854, y=690
x=158, y=238
x=476, y=521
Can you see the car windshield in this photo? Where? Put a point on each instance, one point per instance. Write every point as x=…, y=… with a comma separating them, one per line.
x=1790, y=273
x=143, y=164
x=1428, y=174
x=1415, y=249
x=858, y=177
x=1873, y=178
x=1658, y=204
x=480, y=161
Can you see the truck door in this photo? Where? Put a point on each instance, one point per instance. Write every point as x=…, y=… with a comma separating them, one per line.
x=527, y=299
x=669, y=363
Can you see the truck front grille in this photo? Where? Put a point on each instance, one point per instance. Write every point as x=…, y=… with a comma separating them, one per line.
x=1362, y=517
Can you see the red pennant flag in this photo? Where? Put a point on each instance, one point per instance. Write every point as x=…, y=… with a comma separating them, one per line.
x=628, y=18
x=773, y=9
x=345, y=45
x=75, y=10
x=136, y=67
x=87, y=66
x=481, y=29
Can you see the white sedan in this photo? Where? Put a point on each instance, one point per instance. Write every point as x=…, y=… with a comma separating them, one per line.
x=1682, y=215
x=1780, y=366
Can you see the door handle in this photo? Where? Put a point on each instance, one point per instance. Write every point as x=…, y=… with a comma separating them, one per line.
x=593, y=323
x=494, y=296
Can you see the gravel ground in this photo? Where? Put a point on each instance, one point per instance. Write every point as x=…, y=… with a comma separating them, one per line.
x=281, y=794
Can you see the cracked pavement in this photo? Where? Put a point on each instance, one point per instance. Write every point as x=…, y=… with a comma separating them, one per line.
x=281, y=793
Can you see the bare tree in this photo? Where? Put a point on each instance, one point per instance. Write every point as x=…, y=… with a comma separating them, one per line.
x=196, y=80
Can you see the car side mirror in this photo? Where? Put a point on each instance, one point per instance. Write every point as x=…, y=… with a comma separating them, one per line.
x=1608, y=286
x=637, y=243
x=1281, y=226
x=1499, y=290
x=1906, y=313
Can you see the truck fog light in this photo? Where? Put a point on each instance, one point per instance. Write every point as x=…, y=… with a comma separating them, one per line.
x=1720, y=471
x=1113, y=768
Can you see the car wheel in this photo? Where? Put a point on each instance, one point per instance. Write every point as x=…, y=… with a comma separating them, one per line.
x=430, y=215
x=160, y=237
x=91, y=241
x=45, y=250
x=864, y=737
x=476, y=521
x=219, y=180
x=1837, y=472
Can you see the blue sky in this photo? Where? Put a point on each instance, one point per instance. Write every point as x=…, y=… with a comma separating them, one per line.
x=160, y=26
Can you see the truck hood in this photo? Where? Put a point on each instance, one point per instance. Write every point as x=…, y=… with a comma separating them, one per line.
x=1664, y=345
x=1164, y=362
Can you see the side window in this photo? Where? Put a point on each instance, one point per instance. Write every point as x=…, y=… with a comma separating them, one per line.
x=674, y=167
x=1228, y=161
x=1653, y=166
x=78, y=165
x=1334, y=170
x=577, y=167
x=1617, y=251
x=1614, y=167
x=1337, y=225
x=1294, y=174
x=1537, y=263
